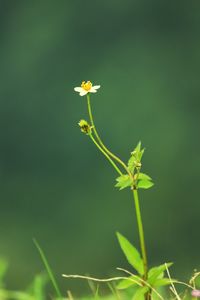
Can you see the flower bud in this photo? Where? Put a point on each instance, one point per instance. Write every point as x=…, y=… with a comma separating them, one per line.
x=85, y=127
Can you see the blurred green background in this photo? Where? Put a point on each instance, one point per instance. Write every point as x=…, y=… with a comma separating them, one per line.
x=55, y=185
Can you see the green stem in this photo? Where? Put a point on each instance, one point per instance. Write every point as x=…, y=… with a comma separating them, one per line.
x=99, y=139
x=141, y=232
x=106, y=155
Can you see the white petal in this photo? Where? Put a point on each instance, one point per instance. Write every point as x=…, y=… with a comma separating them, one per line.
x=78, y=89
x=96, y=87
x=83, y=93
x=92, y=90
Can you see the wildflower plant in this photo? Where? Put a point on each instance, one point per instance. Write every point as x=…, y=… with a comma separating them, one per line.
x=129, y=176
x=144, y=281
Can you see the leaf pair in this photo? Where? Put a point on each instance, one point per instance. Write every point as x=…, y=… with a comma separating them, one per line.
x=135, y=178
x=143, y=181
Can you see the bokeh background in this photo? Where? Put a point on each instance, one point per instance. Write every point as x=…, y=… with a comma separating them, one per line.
x=55, y=185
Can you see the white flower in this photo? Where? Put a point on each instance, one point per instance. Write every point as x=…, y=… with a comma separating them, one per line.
x=86, y=87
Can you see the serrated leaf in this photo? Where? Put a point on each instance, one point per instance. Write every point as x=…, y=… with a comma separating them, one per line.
x=140, y=293
x=163, y=281
x=131, y=253
x=157, y=273
x=144, y=184
x=124, y=181
x=130, y=281
x=143, y=176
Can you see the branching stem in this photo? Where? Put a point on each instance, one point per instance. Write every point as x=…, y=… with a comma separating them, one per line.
x=106, y=155
x=99, y=139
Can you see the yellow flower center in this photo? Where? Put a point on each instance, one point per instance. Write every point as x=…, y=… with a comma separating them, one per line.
x=86, y=85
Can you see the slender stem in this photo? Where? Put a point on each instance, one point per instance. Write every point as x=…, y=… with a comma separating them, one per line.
x=141, y=232
x=106, y=155
x=99, y=139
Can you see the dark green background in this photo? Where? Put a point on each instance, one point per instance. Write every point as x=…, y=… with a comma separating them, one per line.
x=55, y=185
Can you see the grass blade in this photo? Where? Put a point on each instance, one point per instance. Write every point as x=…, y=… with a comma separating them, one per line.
x=48, y=269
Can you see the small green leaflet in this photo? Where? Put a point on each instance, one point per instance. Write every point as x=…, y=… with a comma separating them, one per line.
x=144, y=181
x=130, y=281
x=157, y=273
x=138, y=147
x=163, y=281
x=124, y=181
x=140, y=154
x=143, y=176
x=144, y=184
x=136, y=156
x=131, y=163
x=131, y=253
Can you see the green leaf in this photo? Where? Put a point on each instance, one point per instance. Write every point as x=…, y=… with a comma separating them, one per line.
x=137, y=152
x=131, y=163
x=140, y=154
x=124, y=181
x=135, y=159
x=131, y=253
x=140, y=293
x=143, y=176
x=138, y=147
x=130, y=281
x=145, y=184
x=157, y=273
x=163, y=281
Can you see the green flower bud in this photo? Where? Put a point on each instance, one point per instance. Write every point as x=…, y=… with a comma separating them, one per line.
x=85, y=127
